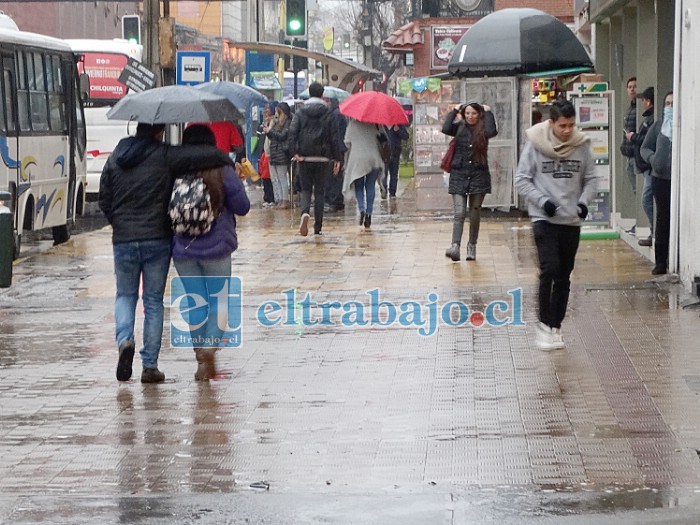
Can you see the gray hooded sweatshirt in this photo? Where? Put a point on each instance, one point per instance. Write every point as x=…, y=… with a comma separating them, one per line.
x=563, y=172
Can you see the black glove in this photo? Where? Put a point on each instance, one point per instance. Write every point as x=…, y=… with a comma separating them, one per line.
x=582, y=210
x=550, y=208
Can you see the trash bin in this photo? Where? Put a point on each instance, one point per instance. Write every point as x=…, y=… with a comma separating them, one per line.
x=7, y=240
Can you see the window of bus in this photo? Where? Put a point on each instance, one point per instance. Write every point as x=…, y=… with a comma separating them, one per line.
x=40, y=94
x=57, y=99
x=22, y=93
x=37, y=95
x=7, y=117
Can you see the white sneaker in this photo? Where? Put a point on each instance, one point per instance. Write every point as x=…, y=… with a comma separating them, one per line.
x=545, y=337
x=557, y=339
x=304, y=224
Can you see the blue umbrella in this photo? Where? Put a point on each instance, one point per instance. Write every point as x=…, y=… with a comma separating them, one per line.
x=243, y=97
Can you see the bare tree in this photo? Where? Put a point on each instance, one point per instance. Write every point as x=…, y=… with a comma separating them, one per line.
x=369, y=22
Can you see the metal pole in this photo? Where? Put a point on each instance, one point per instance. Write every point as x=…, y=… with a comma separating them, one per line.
x=293, y=58
x=151, y=13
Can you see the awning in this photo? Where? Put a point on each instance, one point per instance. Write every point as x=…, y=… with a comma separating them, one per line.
x=404, y=38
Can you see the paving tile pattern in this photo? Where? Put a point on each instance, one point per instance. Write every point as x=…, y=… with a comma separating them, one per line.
x=355, y=409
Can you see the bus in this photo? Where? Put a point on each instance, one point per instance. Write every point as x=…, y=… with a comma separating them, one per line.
x=103, y=62
x=42, y=132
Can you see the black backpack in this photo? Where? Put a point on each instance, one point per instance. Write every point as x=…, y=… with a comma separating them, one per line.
x=315, y=134
x=190, y=206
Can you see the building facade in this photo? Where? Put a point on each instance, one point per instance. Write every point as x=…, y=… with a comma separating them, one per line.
x=655, y=41
x=99, y=19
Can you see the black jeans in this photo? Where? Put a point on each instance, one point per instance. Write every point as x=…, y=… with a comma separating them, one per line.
x=391, y=174
x=661, y=188
x=334, y=191
x=313, y=178
x=556, y=248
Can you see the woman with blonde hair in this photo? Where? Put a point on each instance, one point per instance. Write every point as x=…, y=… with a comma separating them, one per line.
x=277, y=132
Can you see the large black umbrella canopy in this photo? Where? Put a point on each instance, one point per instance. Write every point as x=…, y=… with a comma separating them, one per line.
x=174, y=105
x=513, y=42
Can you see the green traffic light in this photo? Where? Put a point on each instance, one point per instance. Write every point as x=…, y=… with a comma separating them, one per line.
x=295, y=25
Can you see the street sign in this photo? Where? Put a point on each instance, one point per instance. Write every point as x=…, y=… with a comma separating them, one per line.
x=137, y=77
x=193, y=67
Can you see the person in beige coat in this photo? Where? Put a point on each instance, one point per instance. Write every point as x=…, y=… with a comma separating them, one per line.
x=363, y=166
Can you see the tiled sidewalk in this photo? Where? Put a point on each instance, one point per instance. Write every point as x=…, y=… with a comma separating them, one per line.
x=361, y=409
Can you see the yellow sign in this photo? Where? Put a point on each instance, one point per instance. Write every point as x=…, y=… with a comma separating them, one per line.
x=328, y=38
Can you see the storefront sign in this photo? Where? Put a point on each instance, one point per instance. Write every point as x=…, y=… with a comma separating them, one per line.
x=443, y=42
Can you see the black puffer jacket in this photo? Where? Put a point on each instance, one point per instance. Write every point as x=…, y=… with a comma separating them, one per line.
x=137, y=181
x=466, y=174
x=630, y=124
x=638, y=139
x=279, y=144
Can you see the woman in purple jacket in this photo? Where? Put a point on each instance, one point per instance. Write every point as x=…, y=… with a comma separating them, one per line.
x=205, y=260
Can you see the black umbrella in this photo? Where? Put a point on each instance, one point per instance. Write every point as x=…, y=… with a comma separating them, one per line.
x=174, y=105
x=512, y=42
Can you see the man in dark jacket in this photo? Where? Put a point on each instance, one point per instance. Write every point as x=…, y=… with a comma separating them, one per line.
x=313, y=140
x=396, y=134
x=630, y=124
x=643, y=167
x=135, y=189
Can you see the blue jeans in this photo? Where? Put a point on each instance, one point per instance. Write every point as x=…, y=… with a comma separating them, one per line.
x=648, y=199
x=366, y=185
x=203, y=283
x=133, y=261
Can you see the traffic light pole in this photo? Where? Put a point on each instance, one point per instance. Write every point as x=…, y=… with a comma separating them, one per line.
x=151, y=51
x=294, y=60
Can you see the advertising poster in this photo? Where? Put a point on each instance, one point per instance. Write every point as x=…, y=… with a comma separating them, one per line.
x=104, y=70
x=443, y=41
x=591, y=112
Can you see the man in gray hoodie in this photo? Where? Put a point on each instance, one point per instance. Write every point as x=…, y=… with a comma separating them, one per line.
x=556, y=175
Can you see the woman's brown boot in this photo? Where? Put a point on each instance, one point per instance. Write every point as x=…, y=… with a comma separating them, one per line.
x=206, y=364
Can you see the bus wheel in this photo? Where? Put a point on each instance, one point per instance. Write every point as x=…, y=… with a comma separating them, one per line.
x=60, y=234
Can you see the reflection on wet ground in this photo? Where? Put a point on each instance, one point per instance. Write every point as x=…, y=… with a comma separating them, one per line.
x=470, y=425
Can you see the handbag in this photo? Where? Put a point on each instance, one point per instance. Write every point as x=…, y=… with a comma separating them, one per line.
x=248, y=171
x=446, y=163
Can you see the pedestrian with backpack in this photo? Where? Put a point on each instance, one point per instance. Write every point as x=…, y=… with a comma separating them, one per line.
x=203, y=254
x=135, y=188
x=313, y=144
x=364, y=165
x=643, y=167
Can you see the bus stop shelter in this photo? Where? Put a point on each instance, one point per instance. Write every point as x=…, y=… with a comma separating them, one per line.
x=338, y=72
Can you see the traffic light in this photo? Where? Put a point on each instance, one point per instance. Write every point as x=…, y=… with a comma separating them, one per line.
x=131, y=28
x=296, y=18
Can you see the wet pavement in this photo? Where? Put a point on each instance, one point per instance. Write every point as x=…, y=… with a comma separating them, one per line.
x=362, y=424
